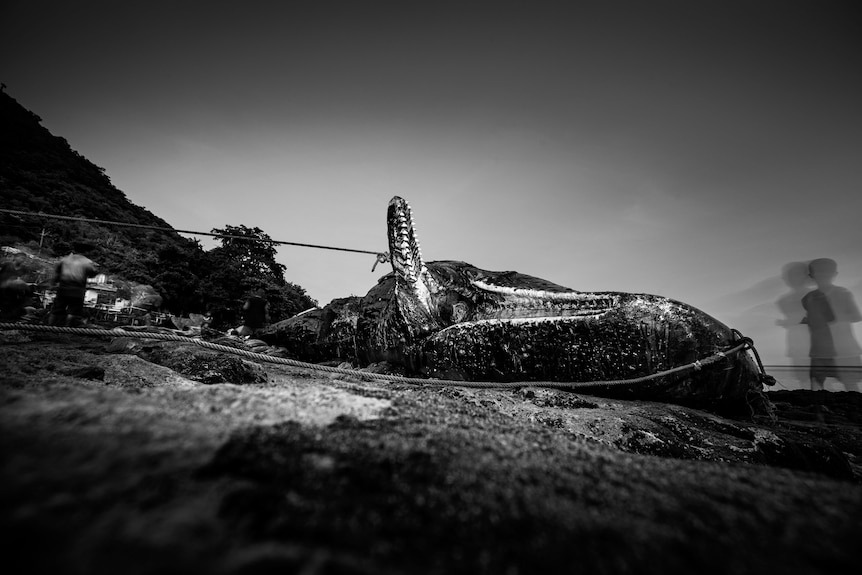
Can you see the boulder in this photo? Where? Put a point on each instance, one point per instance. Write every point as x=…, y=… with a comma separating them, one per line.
x=202, y=365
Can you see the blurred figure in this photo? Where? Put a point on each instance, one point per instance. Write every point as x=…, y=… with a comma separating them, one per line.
x=15, y=293
x=12, y=268
x=254, y=312
x=70, y=277
x=830, y=313
x=798, y=341
x=15, y=296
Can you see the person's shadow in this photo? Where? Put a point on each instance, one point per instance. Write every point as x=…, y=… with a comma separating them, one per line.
x=797, y=338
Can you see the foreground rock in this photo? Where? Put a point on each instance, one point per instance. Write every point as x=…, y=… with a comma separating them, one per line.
x=190, y=361
x=145, y=470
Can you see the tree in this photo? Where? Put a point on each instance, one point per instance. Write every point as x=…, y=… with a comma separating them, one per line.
x=253, y=250
x=244, y=264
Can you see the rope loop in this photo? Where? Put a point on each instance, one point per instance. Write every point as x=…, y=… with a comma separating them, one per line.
x=382, y=258
x=765, y=378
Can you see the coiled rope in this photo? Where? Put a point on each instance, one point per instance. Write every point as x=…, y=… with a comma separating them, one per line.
x=741, y=344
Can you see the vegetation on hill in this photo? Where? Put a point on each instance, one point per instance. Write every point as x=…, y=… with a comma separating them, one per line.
x=40, y=172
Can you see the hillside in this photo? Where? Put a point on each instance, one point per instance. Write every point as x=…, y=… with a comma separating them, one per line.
x=40, y=172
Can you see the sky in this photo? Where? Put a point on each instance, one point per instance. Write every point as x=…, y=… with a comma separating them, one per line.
x=686, y=149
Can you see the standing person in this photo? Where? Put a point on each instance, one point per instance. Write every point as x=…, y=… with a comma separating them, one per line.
x=831, y=313
x=70, y=277
x=12, y=268
x=253, y=314
x=15, y=293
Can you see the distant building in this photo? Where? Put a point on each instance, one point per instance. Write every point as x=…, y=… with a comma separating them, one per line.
x=100, y=292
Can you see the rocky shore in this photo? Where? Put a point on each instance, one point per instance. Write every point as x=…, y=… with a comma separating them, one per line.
x=154, y=457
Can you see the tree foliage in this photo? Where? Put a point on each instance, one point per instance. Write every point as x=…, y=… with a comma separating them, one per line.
x=252, y=250
x=246, y=264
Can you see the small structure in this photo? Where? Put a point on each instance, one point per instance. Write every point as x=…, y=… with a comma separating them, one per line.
x=100, y=292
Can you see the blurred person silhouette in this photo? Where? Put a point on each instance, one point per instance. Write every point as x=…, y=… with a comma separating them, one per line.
x=831, y=312
x=15, y=296
x=12, y=267
x=254, y=312
x=797, y=339
x=15, y=293
x=70, y=277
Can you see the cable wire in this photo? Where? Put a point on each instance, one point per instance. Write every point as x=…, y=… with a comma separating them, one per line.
x=170, y=229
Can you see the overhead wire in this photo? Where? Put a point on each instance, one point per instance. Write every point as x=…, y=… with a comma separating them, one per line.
x=380, y=255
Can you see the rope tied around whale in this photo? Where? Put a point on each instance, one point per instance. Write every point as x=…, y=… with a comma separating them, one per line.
x=739, y=345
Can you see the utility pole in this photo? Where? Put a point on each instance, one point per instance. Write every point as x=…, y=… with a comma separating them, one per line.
x=41, y=239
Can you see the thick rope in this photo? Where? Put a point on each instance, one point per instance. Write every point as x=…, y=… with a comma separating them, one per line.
x=744, y=343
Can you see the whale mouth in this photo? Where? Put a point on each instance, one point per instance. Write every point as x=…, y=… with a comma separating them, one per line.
x=525, y=303
x=413, y=283
x=404, y=246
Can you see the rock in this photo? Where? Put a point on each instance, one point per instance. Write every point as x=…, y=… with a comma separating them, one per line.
x=203, y=365
x=386, y=368
x=229, y=341
x=156, y=474
x=257, y=346
x=124, y=345
x=84, y=372
x=304, y=335
x=555, y=398
x=278, y=352
x=13, y=336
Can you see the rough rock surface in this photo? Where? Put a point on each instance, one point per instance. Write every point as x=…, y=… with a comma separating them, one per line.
x=145, y=470
x=199, y=364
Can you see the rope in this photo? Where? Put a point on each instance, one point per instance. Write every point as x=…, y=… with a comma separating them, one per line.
x=381, y=259
x=744, y=343
x=169, y=229
x=765, y=378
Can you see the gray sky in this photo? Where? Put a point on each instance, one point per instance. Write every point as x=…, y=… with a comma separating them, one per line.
x=688, y=149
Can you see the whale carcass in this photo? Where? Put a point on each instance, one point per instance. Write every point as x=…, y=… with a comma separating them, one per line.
x=454, y=321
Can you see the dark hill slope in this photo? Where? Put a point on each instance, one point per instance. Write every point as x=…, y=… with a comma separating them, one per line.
x=41, y=172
